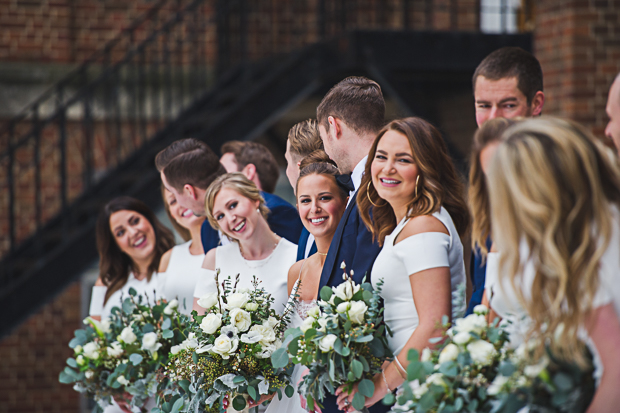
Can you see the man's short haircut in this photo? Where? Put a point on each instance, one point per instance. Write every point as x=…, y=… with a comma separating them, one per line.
x=358, y=102
x=189, y=161
x=304, y=138
x=258, y=155
x=512, y=62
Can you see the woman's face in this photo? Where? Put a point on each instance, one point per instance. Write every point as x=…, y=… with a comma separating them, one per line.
x=393, y=170
x=185, y=217
x=236, y=215
x=486, y=154
x=320, y=204
x=133, y=234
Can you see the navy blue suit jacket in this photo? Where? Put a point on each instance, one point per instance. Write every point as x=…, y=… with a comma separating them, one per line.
x=352, y=243
x=477, y=273
x=283, y=219
x=303, y=243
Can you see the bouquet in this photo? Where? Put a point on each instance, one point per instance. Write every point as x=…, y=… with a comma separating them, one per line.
x=341, y=342
x=226, y=356
x=459, y=375
x=119, y=357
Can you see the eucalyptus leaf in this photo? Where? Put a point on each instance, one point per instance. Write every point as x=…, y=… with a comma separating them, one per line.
x=364, y=339
x=71, y=362
x=132, y=292
x=135, y=359
x=176, y=408
x=239, y=403
x=279, y=358
x=357, y=368
x=65, y=378
x=289, y=391
x=253, y=393
x=166, y=324
x=358, y=402
x=366, y=387
x=326, y=293
x=167, y=334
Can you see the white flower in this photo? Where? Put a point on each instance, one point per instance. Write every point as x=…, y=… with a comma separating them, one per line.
x=323, y=323
x=313, y=312
x=481, y=352
x=91, y=350
x=307, y=324
x=426, y=355
x=327, y=343
x=449, y=353
x=211, y=323
x=80, y=360
x=269, y=335
x=346, y=290
x=89, y=374
x=240, y=319
x=343, y=265
x=535, y=369
x=420, y=391
x=267, y=350
x=437, y=379
x=237, y=300
x=271, y=322
x=462, y=338
x=106, y=326
x=171, y=307
x=224, y=346
x=481, y=309
x=251, y=306
x=127, y=336
x=230, y=331
x=472, y=323
x=176, y=349
x=150, y=343
x=122, y=380
x=251, y=337
x=208, y=300
x=496, y=387
x=77, y=349
x=357, y=311
x=343, y=307
x=115, y=349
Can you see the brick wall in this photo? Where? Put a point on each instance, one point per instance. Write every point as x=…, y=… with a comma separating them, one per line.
x=578, y=45
x=33, y=356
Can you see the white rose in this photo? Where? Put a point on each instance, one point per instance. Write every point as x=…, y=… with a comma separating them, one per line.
x=449, y=353
x=211, y=323
x=89, y=374
x=346, y=290
x=91, y=350
x=176, y=349
x=127, y=336
x=269, y=335
x=323, y=323
x=343, y=307
x=420, y=391
x=171, y=307
x=481, y=309
x=271, y=322
x=251, y=306
x=237, y=300
x=307, y=324
x=150, y=343
x=106, y=326
x=472, y=323
x=481, y=352
x=208, y=300
x=251, y=337
x=240, y=319
x=313, y=312
x=190, y=341
x=357, y=311
x=426, y=355
x=437, y=379
x=115, y=349
x=462, y=338
x=77, y=349
x=224, y=346
x=80, y=360
x=122, y=380
x=266, y=351
x=496, y=387
x=327, y=343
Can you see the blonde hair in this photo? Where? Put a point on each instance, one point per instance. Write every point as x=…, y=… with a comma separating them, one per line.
x=239, y=183
x=304, y=138
x=551, y=186
x=477, y=193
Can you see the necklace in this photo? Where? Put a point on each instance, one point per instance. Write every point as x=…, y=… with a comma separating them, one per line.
x=258, y=263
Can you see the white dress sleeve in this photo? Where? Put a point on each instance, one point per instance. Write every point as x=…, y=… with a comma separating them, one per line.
x=205, y=284
x=424, y=251
x=96, y=300
x=492, y=272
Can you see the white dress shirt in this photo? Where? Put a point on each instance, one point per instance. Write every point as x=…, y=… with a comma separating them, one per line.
x=356, y=177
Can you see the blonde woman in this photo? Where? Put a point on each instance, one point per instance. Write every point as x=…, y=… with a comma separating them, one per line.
x=554, y=195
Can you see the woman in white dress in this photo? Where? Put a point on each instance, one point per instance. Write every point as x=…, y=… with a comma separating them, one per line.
x=130, y=241
x=555, y=194
x=181, y=267
x=411, y=198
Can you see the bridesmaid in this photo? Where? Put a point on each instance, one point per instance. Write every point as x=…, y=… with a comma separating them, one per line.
x=181, y=267
x=415, y=197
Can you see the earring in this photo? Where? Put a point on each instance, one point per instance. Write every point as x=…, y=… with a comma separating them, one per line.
x=258, y=210
x=416, y=185
x=368, y=195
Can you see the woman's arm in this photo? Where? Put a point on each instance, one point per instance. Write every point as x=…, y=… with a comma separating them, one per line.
x=164, y=261
x=209, y=264
x=604, y=330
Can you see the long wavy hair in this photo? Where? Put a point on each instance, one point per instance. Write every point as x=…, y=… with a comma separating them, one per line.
x=478, y=194
x=114, y=264
x=439, y=183
x=551, y=187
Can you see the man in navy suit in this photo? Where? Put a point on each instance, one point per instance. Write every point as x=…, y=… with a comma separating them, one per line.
x=349, y=117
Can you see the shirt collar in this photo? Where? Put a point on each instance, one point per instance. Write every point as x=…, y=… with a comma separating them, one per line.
x=358, y=171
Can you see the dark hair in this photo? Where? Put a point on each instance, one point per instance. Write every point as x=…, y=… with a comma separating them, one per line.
x=304, y=138
x=512, y=62
x=189, y=161
x=439, y=183
x=114, y=265
x=357, y=101
x=181, y=230
x=318, y=163
x=258, y=155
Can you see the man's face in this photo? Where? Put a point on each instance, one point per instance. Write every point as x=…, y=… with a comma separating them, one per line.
x=229, y=162
x=500, y=99
x=185, y=199
x=612, y=130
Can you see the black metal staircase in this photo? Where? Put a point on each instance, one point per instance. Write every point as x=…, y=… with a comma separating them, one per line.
x=124, y=108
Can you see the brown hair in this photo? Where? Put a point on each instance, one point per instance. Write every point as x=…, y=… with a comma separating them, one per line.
x=189, y=161
x=258, y=155
x=304, y=138
x=318, y=163
x=114, y=264
x=439, y=183
x=357, y=101
x=478, y=194
x=512, y=62
x=181, y=230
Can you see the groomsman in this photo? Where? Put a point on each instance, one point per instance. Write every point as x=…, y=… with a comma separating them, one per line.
x=350, y=117
x=612, y=131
